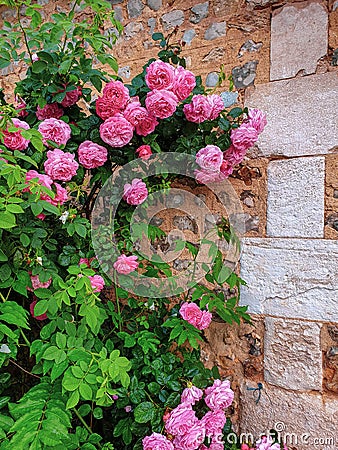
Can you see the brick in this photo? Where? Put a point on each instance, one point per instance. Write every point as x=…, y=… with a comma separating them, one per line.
x=309, y=416
x=300, y=115
x=296, y=197
x=292, y=354
x=294, y=278
x=299, y=38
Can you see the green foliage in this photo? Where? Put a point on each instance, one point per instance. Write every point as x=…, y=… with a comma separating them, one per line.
x=92, y=357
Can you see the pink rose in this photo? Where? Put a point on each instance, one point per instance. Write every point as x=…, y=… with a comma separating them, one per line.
x=105, y=108
x=184, y=83
x=156, y=441
x=97, y=283
x=60, y=165
x=207, y=176
x=181, y=419
x=210, y=158
x=234, y=155
x=125, y=264
x=92, y=155
x=214, y=422
x=54, y=130
x=21, y=108
x=244, y=137
x=192, y=438
x=257, y=119
x=13, y=139
x=216, y=446
x=195, y=316
x=191, y=395
x=144, y=152
x=136, y=192
x=31, y=309
x=266, y=443
x=140, y=118
x=161, y=104
x=159, y=75
x=198, y=110
x=61, y=196
x=48, y=111
x=86, y=261
x=217, y=106
x=116, y=131
x=226, y=169
x=72, y=97
x=246, y=447
x=36, y=283
x=116, y=92
x=44, y=180
x=219, y=395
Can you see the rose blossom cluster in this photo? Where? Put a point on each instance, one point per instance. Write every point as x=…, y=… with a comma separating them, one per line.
x=14, y=139
x=216, y=165
x=123, y=115
x=184, y=430
x=125, y=264
x=60, y=194
x=195, y=316
x=203, y=107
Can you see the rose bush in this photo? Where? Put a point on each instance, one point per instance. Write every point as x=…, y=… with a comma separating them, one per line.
x=100, y=367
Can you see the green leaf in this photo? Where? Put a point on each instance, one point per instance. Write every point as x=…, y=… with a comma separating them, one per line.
x=144, y=412
x=25, y=240
x=16, y=209
x=157, y=36
x=86, y=391
x=39, y=66
x=3, y=256
x=7, y=220
x=36, y=208
x=73, y=400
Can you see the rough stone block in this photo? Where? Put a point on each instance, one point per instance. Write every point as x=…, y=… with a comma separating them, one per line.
x=215, y=31
x=172, y=19
x=299, y=38
x=132, y=29
x=245, y=75
x=212, y=79
x=292, y=354
x=188, y=36
x=305, y=420
x=199, y=12
x=155, y=5
x=300, y=114
x=296, y=197
x=134, y=8
x=293, y=278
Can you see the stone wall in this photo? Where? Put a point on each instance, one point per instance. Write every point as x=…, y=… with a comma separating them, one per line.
x=279, y=53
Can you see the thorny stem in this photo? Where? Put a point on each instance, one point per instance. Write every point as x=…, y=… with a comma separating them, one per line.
x=24, y=370
x=87, y=427
x=24, y=33
x=65, y=39
x=117, y=302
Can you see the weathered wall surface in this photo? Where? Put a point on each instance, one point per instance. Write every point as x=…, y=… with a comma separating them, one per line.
x=279, y=54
